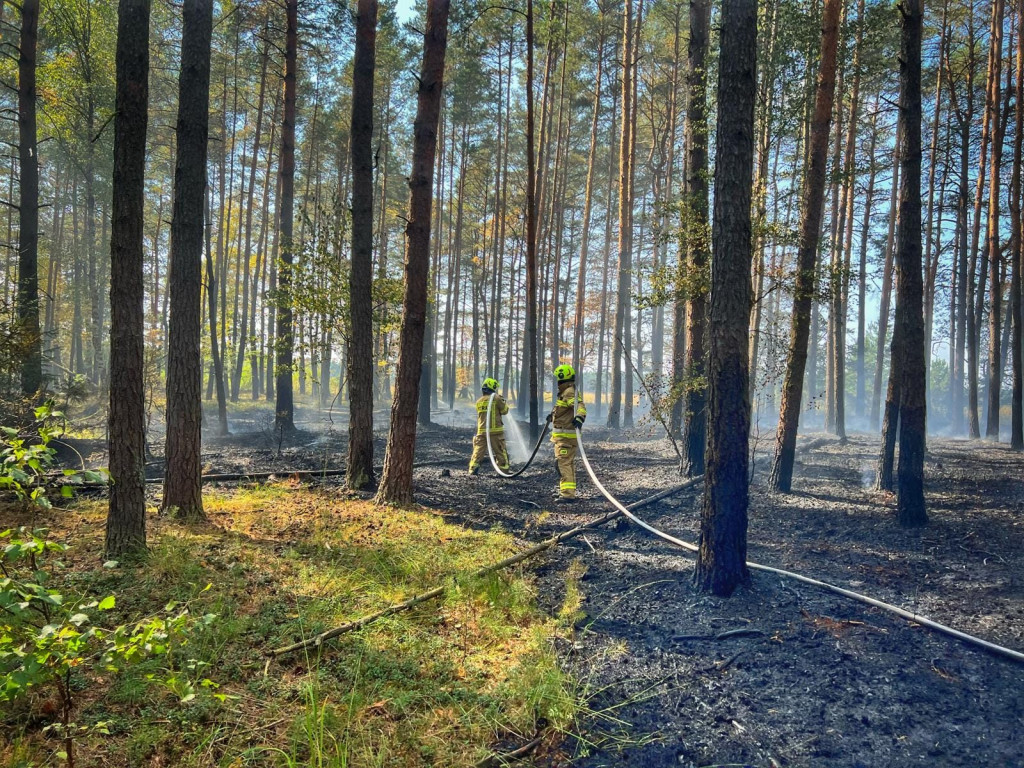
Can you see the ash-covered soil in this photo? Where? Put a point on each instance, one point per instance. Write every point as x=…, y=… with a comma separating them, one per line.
x=812, y=679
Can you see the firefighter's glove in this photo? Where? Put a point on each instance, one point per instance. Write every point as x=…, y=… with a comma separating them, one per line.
x=549, y=417
x=577, y=423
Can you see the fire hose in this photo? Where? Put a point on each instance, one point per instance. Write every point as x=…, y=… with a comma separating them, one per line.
x=901, y=612
x=490, y=448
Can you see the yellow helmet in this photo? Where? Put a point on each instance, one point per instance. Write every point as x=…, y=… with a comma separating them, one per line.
x=490, y=384
x=565, y=373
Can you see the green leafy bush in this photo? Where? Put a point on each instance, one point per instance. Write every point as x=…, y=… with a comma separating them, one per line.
x=27, y=458
x=48, y=638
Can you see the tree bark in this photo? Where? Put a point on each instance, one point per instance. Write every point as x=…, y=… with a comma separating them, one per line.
x=620, y=334
x=284, y=420
x=217, y=371
x=28, y=204
x=995, y=370
x=807, y=251
x=721, y=560
x=588, y=200
x=1016, y=262
x=183, y=470
x=862, y=270
x=695, y=239
x=396, y=479
x=908, y=327
x=976, y=280
x=530, y=340
x=359, y=463
x=883, y=311
x=245, y=253
x=126, y=517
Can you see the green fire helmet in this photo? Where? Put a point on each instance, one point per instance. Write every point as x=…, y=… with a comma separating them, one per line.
x=565, y=373
x=490, y=384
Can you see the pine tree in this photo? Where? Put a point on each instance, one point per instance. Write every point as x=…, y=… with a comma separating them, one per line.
x=183, y=470
x=126, y=517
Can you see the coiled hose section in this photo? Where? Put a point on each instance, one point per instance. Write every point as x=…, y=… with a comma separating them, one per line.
x=909, y=615
x=490, y=448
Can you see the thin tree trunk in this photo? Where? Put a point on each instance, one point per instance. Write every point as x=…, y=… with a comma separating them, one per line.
x=1016, y=259
x=588, y=199
x=284, y=338
x=245, y=256
x=695, y=239
x=28, y=204
x=884, y=299
x=530, y=349
x=621, y=334
x=807, y=251
x=930, y=273
x=217, y=372
x=995, y=371
x=976, y=280
x=862, y=269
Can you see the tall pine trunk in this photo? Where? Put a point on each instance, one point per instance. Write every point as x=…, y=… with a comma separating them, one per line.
x=695, y=238
x=530, y=339
x=126, y=517
x=359, y=464
x=721, y=561
x=807, y=251
x=284, y=409
x=1016, y=264
x=995, y=370
x=217, y=367
x=862, y=270
x=183, y=471
x=28, y=204
x=621, y=333
x=908, y=327
x=884, y=300
x=588, y=200
x=396, y=479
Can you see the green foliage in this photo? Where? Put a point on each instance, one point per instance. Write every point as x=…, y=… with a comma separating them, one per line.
x=48, y=638
x=26, y=457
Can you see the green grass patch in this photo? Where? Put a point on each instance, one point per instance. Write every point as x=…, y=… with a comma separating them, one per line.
x=440, y=685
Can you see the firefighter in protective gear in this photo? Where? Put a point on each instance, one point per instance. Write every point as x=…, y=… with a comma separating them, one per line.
x=495, y=430
x=568, y=416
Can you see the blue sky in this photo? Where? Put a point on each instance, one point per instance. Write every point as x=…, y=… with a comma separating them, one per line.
x=405, y=9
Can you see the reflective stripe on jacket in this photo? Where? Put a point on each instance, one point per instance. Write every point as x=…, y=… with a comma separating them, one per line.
x=567, y=407
x=499, y=409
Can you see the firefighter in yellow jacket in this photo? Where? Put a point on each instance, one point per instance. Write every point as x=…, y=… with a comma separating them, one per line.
x=496, y=429
x=568, y=416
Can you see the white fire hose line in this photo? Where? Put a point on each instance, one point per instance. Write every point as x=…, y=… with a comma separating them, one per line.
x=909, y=615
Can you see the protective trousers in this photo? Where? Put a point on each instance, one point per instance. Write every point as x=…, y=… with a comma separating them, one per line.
x=565, y=458
x=480, y=451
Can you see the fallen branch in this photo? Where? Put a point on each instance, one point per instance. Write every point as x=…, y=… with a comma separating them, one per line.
x=317, y=640
x=509, y=757
x=742, y=632
x=226, y=477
